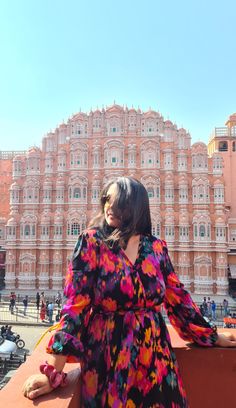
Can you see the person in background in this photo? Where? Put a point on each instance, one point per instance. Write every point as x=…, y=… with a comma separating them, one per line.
x=42, y=307
x=37, y=300
x=225, y=307
x=10, y=334
x=111, y=321
x=12, y=304
x=25, y=303
x=209, y=311
x=50, y=308
x=213, y=308
x=58, y=299
x=204, y=307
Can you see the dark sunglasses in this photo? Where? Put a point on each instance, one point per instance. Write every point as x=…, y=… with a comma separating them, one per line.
x=105, y=199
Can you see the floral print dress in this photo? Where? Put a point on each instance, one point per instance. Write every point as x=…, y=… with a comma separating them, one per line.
x=111, y=323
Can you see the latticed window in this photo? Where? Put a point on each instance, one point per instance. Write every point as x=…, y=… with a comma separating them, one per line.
x=96, y=159
x=150, y=191
x=77, y=193
x=95, y=194
x=58, y=230
x=45, y=230
x=183, y=194
x=27, y=230
x=182, y=163
x=183, y=233
x=73, y=229
x=168, y=161
x=220, y=233
x=169, y=194
x=156, y=230
x=219, y=194
x=169, y=231
x=202, y=231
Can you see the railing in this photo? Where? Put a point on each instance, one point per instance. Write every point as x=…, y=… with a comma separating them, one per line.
x=6, y=155
x=32, y=315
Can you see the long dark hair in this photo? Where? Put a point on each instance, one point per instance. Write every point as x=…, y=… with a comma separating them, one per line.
x=131, y=206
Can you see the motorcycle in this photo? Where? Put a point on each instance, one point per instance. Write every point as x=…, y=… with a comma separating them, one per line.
x=14, y=337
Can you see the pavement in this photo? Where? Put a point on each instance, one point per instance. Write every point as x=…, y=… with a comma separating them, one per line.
x=30, y=335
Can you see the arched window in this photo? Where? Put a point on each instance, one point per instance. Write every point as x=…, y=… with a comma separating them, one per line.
x=150, y=155
x=152, y=185
x=17, y=167
x=114, y=154
x=182, y=163
x=184, y=233
x=183, y=193
x=96, y=124
x=168, y=161
x=169, y=193
x=79, y=156
x=75, y=227
x=132, y=156
x=234, y=147
x=219, y=193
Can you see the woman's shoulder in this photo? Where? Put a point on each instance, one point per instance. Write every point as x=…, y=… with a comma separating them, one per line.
x=92, y=234
x=158, y=244
x=153, y=238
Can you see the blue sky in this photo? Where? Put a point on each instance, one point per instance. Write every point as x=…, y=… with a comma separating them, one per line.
x=177, y=57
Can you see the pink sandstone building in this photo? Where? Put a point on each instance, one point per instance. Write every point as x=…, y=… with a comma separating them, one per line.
x=55, y=191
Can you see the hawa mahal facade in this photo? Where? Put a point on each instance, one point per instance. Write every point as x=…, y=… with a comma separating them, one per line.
x=55, y=190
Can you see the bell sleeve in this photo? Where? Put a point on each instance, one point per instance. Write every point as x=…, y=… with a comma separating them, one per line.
x=183, y=313
x=79, y=296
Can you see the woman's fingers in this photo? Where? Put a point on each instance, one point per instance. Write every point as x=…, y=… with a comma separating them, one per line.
x=39, y=391
x=36, y=385
x=226, y=340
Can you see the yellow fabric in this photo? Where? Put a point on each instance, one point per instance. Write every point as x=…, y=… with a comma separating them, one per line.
x=51, y=328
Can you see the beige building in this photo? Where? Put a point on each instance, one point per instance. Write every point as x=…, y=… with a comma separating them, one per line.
x=56, y=190
x=223, y=140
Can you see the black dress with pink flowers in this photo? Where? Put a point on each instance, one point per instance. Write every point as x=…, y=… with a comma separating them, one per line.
x=111, y=323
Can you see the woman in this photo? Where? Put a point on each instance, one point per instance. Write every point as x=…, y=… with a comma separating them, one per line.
x=111, y=322
x=43, y=308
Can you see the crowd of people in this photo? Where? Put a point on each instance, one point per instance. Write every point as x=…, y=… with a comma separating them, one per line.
x=211, y=310
x=44, y=307
x=47, y=306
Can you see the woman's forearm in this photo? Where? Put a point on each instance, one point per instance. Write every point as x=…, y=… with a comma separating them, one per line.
x=56, y=360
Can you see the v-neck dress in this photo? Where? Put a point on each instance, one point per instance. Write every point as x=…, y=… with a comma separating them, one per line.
x=111, y=322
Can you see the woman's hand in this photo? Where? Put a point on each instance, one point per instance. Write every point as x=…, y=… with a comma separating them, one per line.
x=226, y=339
x=36, y=385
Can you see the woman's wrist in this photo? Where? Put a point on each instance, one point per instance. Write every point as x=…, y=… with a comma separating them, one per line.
x=56, y=360
x=55, y=378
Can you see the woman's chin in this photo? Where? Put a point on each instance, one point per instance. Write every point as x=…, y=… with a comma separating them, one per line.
x=112, y=222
